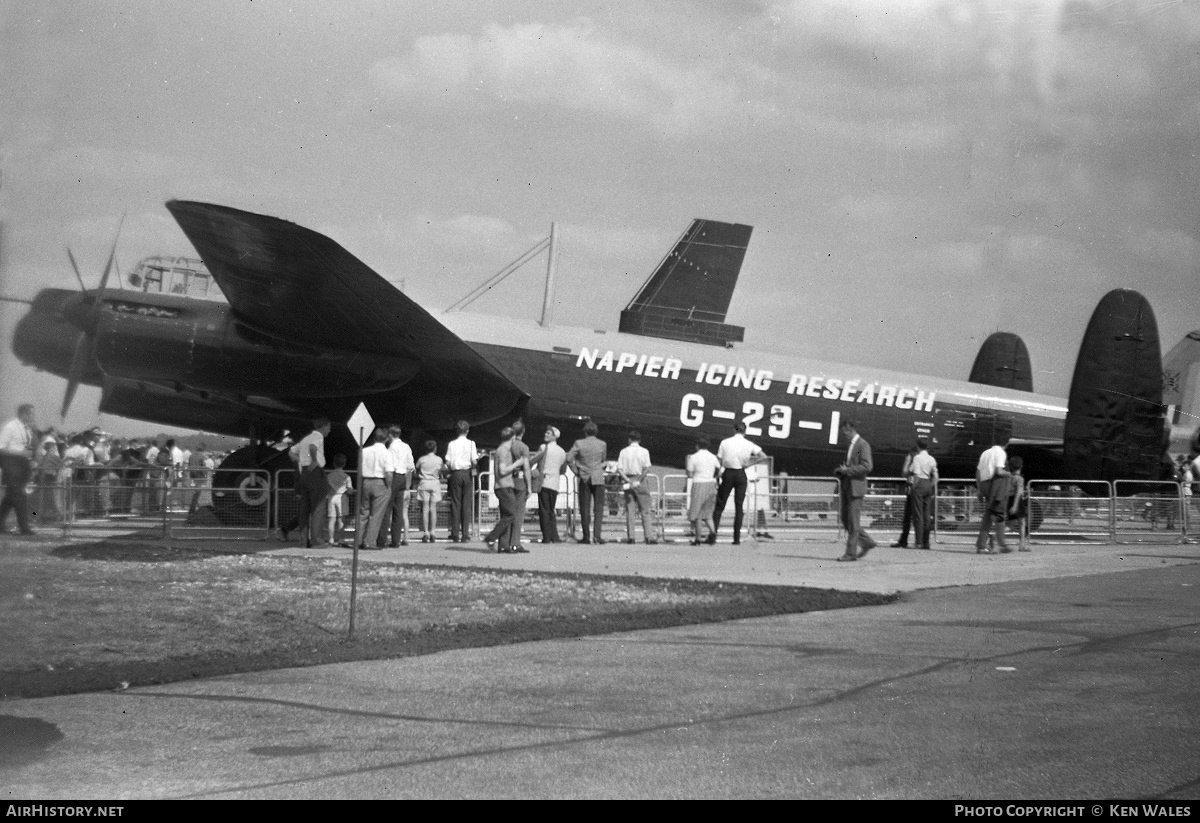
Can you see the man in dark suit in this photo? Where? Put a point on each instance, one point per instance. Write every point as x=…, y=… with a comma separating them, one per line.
x=852, y=486
x=586, y=458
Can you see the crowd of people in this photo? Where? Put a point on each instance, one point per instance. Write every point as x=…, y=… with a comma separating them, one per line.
x=93, y=473
x=98, y=474
x=389, y=478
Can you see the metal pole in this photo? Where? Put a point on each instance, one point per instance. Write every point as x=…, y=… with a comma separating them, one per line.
x=548, y=295
x=357, y=537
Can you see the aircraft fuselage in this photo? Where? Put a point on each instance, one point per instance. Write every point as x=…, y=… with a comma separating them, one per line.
x=670, y=391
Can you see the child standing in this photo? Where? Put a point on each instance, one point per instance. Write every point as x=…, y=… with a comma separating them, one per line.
x=1017, y=502
x=339, y=483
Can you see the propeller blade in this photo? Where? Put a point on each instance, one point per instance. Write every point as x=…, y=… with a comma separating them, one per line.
x=111, y=256
x=75, y=266
x=79, y=364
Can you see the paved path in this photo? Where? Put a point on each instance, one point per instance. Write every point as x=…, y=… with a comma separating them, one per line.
x=1070, y=672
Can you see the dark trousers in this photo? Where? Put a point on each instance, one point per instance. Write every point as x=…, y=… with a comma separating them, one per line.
x=520, y=497
x=547, y=516
x=502, y=531
x=393, y=515
x=458, y=488
x=856, y=535
x=732, y=480
x=906, y=522
x=922, y=511
x=311, y=493
x=591, y=510
x=16, y=475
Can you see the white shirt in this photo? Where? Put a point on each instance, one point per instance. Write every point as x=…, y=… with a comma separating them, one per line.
x=151, y=453
x=702, y=466
x=177, y=456
x=990, y=462
x=375, y=462
x=923, y=466
x=301, y=452
x=634, y=461
x=554, y=457
x=460, y=454
x=402, y=457
x=737, y=452
x=16, y=439
x=79, y=455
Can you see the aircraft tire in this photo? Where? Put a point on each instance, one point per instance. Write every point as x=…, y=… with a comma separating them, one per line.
x=243, y=489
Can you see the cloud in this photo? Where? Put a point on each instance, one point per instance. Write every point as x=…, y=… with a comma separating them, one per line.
x=571, y=67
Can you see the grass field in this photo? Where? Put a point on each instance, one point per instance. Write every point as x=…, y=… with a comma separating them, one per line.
x=122, y=612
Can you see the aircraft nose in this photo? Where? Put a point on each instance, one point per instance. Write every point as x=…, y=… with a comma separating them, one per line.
x=44, y=337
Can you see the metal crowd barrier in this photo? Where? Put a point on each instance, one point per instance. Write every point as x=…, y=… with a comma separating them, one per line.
x=249, y=502
x=171, y=500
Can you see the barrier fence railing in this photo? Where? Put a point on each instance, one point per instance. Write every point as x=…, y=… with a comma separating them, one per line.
x=220, y=502
x=171, y=500
x=1067, y=511
x=1149, y=512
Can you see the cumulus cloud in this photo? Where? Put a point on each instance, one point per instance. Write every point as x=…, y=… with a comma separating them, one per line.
x=570, y=66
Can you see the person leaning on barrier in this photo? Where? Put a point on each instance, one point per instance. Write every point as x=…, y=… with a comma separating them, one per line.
x=633, y=464
x=16, y=459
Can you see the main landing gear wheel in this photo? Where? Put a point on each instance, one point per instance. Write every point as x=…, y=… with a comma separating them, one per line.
x=243, y=488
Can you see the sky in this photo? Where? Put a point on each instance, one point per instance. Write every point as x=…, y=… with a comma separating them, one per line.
x=919, y=173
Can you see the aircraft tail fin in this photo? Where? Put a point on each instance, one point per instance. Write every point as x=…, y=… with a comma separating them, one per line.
x=1115, y=427
x=688, y=294
x=1181, y=393
x=1003, y=361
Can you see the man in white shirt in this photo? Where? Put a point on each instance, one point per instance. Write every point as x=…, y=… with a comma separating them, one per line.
x=16, y=456
x=551, y=461
x=462, y=465
x=991, y=465
x=923, y=469
x=375, y=468
x=395, y=517
x=735, y=454
x=311, y=488
x=633, y=464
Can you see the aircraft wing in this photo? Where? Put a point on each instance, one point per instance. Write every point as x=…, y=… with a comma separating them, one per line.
x=296, y=284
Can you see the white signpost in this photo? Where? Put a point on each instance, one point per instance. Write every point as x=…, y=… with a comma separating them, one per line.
x=361, y=426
